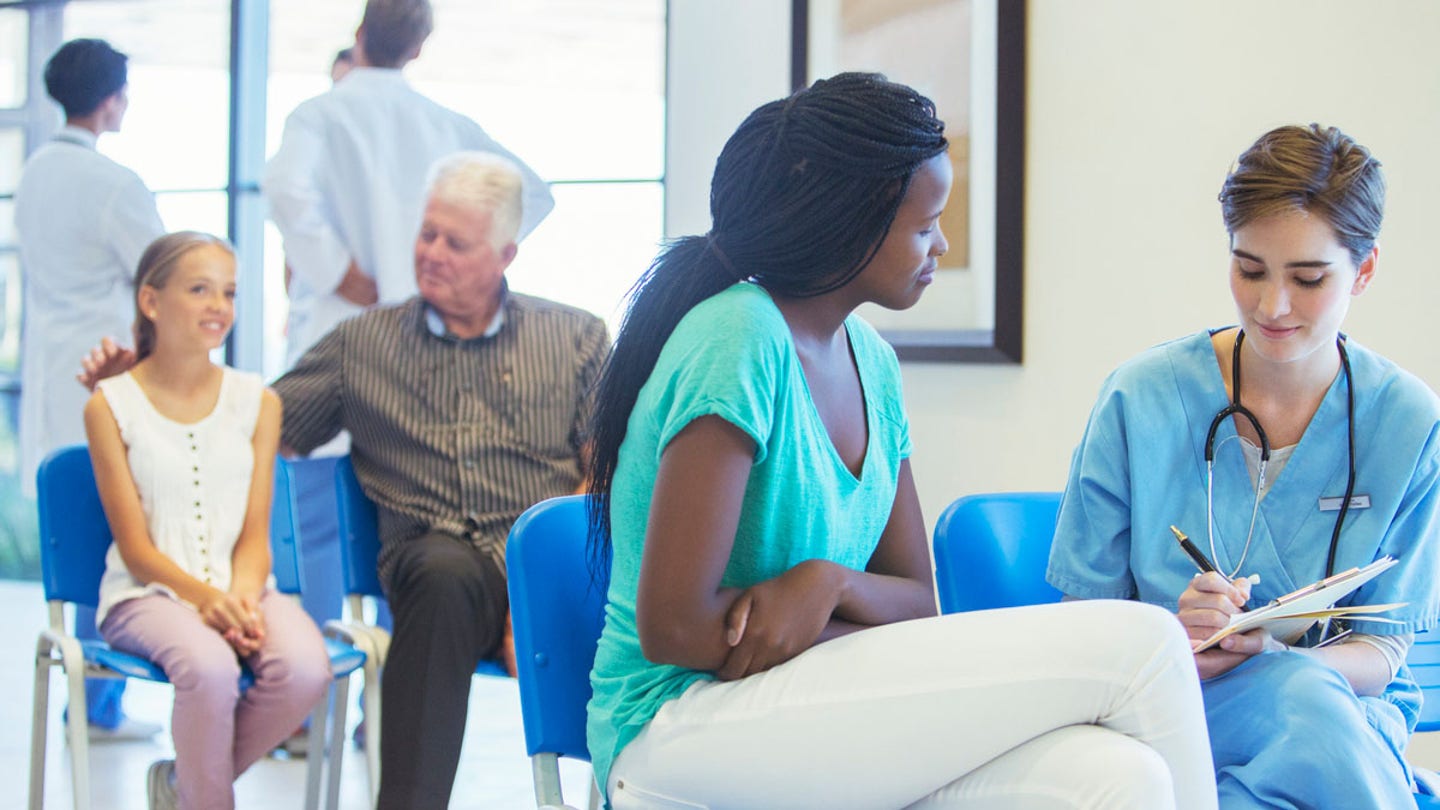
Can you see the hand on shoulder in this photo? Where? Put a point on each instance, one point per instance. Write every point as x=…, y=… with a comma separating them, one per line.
x=104, y=361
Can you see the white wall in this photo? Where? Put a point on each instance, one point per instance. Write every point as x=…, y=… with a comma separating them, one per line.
x=724, y=59
x=1136, y=109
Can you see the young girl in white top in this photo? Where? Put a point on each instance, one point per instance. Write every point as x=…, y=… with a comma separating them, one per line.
x=184, y=454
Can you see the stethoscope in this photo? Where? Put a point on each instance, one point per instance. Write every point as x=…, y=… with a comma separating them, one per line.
x=1235, y=408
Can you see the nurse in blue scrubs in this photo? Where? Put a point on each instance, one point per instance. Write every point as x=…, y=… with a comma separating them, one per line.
x=1348, y=471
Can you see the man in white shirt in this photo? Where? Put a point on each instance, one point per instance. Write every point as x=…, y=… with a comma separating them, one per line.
x=346, y=187
x=83, y=220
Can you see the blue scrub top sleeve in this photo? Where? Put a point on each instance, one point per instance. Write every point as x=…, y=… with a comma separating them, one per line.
x=1090, y=556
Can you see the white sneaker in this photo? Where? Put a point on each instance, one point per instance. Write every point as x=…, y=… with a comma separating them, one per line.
x=129, y=730
x=160, y=785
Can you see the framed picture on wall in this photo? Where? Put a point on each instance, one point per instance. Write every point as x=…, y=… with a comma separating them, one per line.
x=969, y=57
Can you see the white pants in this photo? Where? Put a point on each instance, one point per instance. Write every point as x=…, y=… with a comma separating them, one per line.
x=1091, y=704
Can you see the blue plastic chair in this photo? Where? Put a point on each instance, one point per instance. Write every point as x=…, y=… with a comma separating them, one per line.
x=359, y=525
x=557, y=610
x=287, y=565
x=1424, y=662
x=360, y=553
x=991, y=551
x=74, y=538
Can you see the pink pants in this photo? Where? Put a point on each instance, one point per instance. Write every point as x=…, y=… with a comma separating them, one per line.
x=218, y=732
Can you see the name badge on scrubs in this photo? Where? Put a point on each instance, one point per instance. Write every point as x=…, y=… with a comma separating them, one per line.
x=1333, y=504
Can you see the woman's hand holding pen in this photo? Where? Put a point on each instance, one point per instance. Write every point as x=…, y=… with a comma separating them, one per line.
x=1205, y=608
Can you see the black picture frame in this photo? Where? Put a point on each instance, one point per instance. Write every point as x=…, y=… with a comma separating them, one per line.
x=1003, y=344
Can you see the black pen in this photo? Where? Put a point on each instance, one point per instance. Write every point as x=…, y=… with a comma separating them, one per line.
x=1192, y=552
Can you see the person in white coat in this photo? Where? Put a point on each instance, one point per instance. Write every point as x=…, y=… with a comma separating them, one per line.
x=83, y=221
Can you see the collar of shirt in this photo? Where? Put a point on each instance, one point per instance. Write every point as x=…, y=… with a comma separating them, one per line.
x=435, y=324
x=370, y=73
x=78, y=136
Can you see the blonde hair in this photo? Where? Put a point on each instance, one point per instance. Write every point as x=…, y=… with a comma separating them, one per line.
x=157, y=263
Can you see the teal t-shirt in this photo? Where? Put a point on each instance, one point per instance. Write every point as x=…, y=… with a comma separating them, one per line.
x=733, y=356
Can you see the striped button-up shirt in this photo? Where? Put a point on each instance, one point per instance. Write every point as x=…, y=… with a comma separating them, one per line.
x=453, y=435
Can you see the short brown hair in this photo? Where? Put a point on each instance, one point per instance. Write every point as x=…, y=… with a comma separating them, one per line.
x=1316, y=169
x=392, y=29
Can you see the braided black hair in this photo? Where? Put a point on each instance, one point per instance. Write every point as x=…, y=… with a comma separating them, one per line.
x=804, y=192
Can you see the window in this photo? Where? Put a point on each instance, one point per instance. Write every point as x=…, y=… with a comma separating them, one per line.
x=14, y=56
x=176, y=131
x=19, y=534
x=12, y=158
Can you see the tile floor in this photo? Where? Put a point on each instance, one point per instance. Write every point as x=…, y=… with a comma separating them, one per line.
x=494, y=771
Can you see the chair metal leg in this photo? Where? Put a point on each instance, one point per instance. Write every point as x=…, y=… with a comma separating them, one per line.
x=372, y=725
x=78, y=724
x=39, y=724
x=314, y=751
x=374, y=643
x=545, y=770
x=337, y=740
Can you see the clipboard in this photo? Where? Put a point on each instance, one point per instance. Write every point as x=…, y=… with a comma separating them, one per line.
x=1288, y=617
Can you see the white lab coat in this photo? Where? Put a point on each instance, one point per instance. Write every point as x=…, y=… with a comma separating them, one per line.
x=348, y=181
x=83, y=220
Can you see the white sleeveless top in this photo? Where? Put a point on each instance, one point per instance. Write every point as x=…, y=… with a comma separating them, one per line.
x=193, y=480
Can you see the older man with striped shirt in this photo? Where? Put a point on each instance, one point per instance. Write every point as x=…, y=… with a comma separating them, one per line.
x=466, y=405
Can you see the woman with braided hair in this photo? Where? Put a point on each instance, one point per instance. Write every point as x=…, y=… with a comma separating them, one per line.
x=770, y=638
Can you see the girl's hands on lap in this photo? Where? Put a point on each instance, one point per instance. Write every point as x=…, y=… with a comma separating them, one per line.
x=245, y=646
x=776, y=620
x=255, y=620
x=238, y=622
x=251, y=633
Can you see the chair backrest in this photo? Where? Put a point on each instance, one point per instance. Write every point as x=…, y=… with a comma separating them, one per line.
x=74, y=534
x=1424, y=663
x=285, y=554
x=558, y=612
x=991, y=551
x=359, y=533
